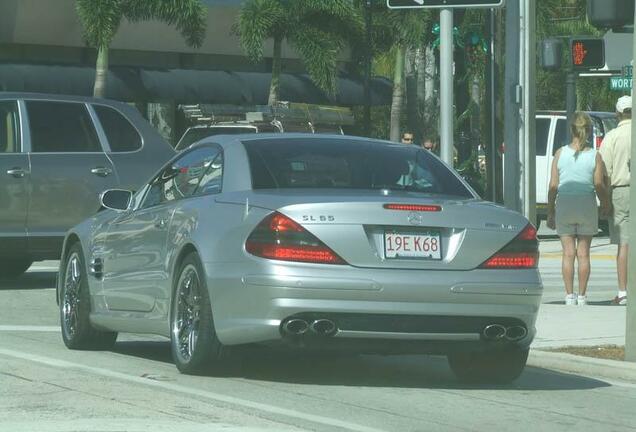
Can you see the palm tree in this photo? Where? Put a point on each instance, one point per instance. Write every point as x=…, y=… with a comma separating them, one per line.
x=404, y=29
x=101, y=20
x=317, y=29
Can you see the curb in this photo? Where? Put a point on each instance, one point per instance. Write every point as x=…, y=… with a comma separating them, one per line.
x=587, y=366
x=548, y=255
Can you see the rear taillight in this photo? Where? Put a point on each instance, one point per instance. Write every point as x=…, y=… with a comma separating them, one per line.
x=520, y=253
x=279, y=237
x=599, y=141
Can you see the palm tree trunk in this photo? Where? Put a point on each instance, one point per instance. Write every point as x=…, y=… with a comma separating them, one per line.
x=274, y=85
x=101, y=71
x=398, y=94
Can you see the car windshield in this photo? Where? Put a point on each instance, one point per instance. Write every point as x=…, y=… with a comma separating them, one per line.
x=348, y=164
x=193, y=135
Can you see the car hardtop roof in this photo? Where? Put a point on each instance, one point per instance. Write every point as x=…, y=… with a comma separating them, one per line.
x=227, y=138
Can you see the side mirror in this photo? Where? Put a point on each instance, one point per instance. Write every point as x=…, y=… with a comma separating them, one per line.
x=116, y=199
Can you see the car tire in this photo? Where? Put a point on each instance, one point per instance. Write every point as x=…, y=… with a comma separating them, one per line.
x=75, y=304
x=498, y=367
x=11, y=268
x=194, y=344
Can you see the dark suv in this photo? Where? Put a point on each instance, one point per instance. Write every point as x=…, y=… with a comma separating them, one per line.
x=57, y=154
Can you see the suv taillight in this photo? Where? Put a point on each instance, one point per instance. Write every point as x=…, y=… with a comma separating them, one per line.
x=521, y=253
x=279, y=237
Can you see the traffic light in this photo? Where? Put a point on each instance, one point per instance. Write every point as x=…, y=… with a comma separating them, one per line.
x=551, y=54
x=610, y=13
x=587, y=53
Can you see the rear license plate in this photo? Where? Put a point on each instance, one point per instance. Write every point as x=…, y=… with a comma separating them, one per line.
x=421, y=245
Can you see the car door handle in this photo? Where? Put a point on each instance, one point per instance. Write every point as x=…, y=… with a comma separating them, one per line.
x=17, y=172
x=101, y=171
x=161, y=223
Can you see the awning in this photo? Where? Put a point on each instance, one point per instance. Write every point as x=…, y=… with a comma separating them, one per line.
x=186, y=86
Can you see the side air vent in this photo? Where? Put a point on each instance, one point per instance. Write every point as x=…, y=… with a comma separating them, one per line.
x=96, y=268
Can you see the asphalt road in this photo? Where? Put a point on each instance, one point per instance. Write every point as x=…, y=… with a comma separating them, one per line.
x=45, y=387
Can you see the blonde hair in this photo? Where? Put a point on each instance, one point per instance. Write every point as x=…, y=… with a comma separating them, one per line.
x=581, y=128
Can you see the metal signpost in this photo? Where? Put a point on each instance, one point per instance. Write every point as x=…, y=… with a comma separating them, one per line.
x=445, y=59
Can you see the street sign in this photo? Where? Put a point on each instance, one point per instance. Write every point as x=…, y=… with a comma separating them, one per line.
x=418, y=4
x=587, y=53
x=620, y=83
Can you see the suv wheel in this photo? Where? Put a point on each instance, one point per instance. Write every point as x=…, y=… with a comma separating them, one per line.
x=13, y=267
x=500, y=367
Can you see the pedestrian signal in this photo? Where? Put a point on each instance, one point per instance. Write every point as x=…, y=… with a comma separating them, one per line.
x=587, y=53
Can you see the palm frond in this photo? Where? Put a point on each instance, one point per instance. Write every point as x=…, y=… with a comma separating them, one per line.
x=319, y=51
x=100, y=20
x=258, y=20
x=188, y=16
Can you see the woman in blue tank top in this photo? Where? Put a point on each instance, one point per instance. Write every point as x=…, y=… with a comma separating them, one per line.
x=577, y=178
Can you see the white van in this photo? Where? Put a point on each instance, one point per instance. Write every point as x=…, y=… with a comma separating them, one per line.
x=551, y=135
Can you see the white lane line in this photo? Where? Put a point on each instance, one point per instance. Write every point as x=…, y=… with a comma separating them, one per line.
x=29, y=328
x=189, y=391
x=129, y=425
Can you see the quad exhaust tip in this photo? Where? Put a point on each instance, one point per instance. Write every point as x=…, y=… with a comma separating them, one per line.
x=323, y=327
x=318, y=327
x=295, y=327
x=515, y=333
x=494, y=332
x=498, y=332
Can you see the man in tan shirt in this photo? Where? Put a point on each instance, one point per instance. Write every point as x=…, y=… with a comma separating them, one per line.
x=616, y=152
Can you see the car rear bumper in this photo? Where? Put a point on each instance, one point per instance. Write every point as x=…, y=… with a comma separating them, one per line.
x=419, y=310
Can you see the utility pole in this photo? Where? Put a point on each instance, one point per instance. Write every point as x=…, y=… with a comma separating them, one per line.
x=527, y=73
x=446, y=85
x=512, y=101
x=367, y=69
x=630, y=325
x=491, y=149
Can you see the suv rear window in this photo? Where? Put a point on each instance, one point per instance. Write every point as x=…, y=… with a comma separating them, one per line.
x=348, y=164
x=61, y=127
x=122, y=136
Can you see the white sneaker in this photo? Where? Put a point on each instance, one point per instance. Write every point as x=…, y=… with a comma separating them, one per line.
x=581, y=300
x=570, y=300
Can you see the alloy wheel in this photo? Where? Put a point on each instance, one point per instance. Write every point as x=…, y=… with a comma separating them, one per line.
x=71, y=300
x=187, y=308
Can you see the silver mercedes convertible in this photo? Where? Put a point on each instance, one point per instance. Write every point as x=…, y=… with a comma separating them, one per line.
x=309, y=242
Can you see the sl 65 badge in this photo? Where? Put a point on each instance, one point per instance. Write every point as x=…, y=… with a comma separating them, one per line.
x=318, y=218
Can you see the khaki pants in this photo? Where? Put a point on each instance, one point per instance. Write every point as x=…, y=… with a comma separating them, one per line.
x=619, y=221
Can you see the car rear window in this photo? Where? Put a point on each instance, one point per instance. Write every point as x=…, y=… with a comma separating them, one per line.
x=348, y=164
x=121, y=134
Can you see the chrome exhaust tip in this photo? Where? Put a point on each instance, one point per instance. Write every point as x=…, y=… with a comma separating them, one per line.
x=295, y=327
x=516, y=333
x=494, y=332
x=323, y=327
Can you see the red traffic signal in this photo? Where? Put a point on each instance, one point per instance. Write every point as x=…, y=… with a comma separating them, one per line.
x=587, y=53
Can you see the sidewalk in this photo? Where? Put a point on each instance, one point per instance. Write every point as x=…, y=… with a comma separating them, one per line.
x=559, y=326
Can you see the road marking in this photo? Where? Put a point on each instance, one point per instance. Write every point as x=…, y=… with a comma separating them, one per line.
x=29, y=328
x=188, y=391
